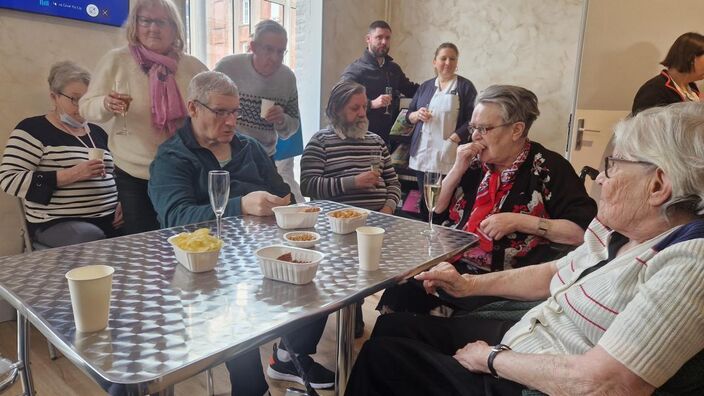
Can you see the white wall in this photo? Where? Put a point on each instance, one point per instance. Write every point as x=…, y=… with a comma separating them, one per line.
x=533, y=44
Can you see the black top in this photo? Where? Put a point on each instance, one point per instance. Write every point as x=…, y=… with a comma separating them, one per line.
x=658, y=91
x=375, y=78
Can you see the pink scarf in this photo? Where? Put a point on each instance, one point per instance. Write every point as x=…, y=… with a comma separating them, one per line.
x=168, y=110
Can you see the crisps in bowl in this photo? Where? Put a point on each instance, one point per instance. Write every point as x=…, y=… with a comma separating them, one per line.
x=197, y=241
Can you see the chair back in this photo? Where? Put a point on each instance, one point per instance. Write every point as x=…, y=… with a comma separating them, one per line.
x=24, y=230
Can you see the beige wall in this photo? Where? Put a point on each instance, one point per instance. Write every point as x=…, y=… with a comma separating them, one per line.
x=623, y=47
x=533, y=44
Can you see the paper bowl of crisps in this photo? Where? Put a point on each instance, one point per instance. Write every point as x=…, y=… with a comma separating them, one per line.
x=302, y=239
x=288, y=264
x=345, y=221
x=296, y=216
x=198, y=251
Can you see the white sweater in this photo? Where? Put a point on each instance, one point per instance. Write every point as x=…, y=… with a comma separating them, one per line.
x=135, y=151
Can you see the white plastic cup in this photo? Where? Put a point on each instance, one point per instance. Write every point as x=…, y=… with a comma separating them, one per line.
x=369, y=241
x=90, y=288
x=96, y=154
x=266, y=105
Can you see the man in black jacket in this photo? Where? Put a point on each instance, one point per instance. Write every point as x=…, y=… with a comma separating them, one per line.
x=376, y=70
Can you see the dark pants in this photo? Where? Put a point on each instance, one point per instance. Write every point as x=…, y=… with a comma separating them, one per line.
x=137, y=209
x=246, y=374
x=412, y=355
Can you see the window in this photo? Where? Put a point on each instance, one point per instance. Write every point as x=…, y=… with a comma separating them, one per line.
x=245, y=12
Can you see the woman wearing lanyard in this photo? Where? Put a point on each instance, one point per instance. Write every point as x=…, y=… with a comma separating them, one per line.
x=685, y=66
x=440, y=110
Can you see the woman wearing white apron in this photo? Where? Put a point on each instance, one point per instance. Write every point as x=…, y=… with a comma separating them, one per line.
x=440, y=111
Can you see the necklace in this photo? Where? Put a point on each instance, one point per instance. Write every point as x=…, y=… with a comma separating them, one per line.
x=685, y=91
x=63, y=128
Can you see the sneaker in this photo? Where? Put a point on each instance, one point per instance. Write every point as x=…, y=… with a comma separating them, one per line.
x=318, y=376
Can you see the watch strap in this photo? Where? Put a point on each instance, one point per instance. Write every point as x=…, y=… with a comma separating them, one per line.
x=495, y=350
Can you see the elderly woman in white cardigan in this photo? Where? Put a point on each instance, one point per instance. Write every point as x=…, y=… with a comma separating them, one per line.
x=622, y=313
x=141, y=87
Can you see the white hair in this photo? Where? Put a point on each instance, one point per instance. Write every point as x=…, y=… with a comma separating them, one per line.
x=211, y=82
x=672, y=138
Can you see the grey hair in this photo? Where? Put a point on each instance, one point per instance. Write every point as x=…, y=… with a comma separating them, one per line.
x=210, y=82
x=174, y=20
x=672, y=138
x=339, y=96
x=64, y=73
x=517, y=104
x=268, y=26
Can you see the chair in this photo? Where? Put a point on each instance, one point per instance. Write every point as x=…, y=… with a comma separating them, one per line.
x=588, y=171
x=30, y=246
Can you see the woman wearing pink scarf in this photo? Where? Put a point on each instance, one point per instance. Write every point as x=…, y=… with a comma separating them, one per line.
x=140, y=88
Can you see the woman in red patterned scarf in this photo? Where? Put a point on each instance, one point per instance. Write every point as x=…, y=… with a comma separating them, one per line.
x=520, y=198
x=141, y=87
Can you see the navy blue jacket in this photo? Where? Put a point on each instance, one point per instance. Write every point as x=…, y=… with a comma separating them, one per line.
x=658, y=91
x=467, y=93
x=375, y=78
x=178, y=184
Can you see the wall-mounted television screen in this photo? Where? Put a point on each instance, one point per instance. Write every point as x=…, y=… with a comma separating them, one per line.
x=107, y=12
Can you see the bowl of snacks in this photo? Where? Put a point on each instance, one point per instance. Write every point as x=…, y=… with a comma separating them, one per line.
x=296, y=216
x=198, y=251
x=345, y=221
x=302, y=239
x=288, y=264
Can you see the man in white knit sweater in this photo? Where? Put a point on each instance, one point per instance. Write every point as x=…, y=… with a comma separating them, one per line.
x=262, y=78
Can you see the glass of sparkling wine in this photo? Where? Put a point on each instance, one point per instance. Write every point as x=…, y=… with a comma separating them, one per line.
x=431, y=187
x=219, y=191
x=121, y=87
x=389, y=91
x=376, y=162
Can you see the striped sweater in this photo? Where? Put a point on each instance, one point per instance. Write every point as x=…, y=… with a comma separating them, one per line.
x=329, y=165
x=35, y=151
x=645, y=307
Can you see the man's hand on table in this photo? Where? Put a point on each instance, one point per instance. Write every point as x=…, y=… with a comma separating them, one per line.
x=444, y=276
x=260, y=203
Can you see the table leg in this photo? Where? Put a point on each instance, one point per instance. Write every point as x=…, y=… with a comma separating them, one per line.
x=23, y=354
x=345, y=342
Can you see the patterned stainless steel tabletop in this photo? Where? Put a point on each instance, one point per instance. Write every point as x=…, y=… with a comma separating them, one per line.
x=167, y=324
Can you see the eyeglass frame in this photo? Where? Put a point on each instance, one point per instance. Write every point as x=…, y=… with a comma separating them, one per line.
x=222, y=113
x=269, y=50
x=147, y=22
x=73, y=100
x=484, y=130
x=611, y=159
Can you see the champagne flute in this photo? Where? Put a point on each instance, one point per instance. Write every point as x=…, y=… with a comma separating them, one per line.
x=432, y=185
x=389, y=91
x=376, y=162
x=122, y=88
x=219, y=191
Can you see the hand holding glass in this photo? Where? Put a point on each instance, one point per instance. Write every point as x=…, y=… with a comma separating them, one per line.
x=389, y=91
x=432, y=185
x=219, y=191
x=122, y=88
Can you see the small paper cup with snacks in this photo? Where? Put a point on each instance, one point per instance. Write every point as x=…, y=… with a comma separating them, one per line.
x=288, y=264
x=345, y=221
x=197, y=251
x=296, y=216
x=301, y=239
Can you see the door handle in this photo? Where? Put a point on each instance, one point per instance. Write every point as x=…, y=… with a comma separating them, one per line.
x=580, y=134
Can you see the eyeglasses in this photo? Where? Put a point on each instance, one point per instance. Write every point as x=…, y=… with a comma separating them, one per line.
x=222, y=113
x=610, y=161
x=72, y=99
x=147, y=22
x=269, y=50
x=483, y=130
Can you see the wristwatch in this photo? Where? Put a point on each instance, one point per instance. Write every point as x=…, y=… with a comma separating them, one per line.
x=543, y=227
x=492, y=355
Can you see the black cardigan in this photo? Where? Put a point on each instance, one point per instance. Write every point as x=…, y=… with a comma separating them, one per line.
x=658, y=91
x=466, y=92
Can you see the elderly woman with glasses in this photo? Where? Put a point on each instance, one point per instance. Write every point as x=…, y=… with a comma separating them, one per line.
x=520, y=198
x=621, y=314
x=58, y=164
x=141, y=88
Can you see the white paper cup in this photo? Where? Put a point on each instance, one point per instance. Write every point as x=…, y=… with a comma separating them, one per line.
x=90, y=289
x=369, y=241
x=96, y=153
x=266, y=105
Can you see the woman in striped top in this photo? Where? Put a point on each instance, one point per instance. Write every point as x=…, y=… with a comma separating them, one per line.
x=68, y=197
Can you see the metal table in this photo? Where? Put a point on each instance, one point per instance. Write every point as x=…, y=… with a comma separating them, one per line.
x=167, y=324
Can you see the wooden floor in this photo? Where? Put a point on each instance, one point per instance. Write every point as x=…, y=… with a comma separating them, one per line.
x=61, y=378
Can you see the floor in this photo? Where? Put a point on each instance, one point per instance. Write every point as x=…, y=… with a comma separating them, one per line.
x=61, y=378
